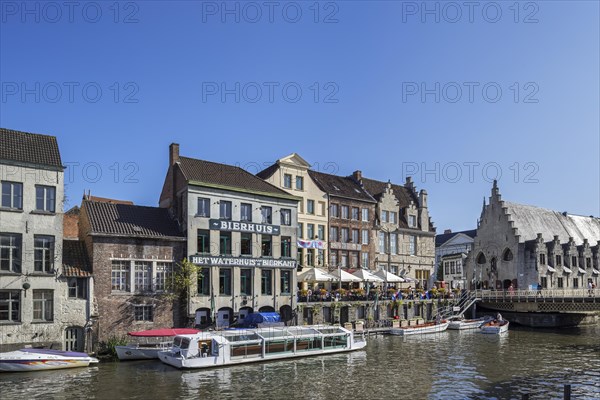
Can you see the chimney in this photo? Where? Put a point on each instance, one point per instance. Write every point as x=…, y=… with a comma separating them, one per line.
x=409, y=183
x=173, y=153
x=357, y=175
x=446, y=231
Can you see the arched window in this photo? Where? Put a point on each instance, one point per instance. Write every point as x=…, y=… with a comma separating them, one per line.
x=507, y=255
x=493, y=264
x=481, y=259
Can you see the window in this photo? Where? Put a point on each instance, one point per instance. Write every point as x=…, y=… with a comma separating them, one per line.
x=45, y=198
x=310, y=206
x=286, y=246
x=559, y=283
x=544, y=282
x=320, y=256
x=266, y=282
x=310, y=231
x=365, y=236
x=447, y=267
x=286, y=282
x=558, y=260
x=77, y=288
x=345, y=212
x=43, y=305
x=321, y=232
x=412, y=245
x=225, y=210
x=382, y=245
x=142, y=278
x=143, y=312
x=203, y=207
x=393, y=243
x=10, y=306
x=334, y=258
x=345, y=235
x=204, y=281
x=322, y=208
x=355, y=213
x=393, y=217
x=43, y=259
x=334, y=211
x=384, y=216
x=310, y=257
x=120, y=276
x=267, y=246
x=164, y=275
x=574, y=261
x=267, y=214
x=12, y=195
x=333, y=234
x=225, y=281
x=412, y=221
x=246, y=281
x=10, y=252
x=286, y=216
x=246, y=212
x=355, y=236
x=299, y=183
x=575, y=283
x=344, y=259
x=508, y=255
x=542, y=259
x=588, y=262
x=246, y=244
x=287, y=181
x=300, y=230
x=353, y=259
x=225, y=243
x=203, y=241
x=365, y=215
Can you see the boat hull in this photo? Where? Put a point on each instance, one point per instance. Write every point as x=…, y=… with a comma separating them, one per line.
x=419, y=329
x=138, y=353
x=494, y=329
x=467, y=324
x=36, y=360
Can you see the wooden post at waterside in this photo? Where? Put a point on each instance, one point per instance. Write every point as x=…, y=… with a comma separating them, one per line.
x=567, y=395
x=525, y=396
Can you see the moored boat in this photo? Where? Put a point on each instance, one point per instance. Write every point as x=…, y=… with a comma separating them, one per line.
x=462, y=323
x=216, y=349
x=43, y=359
x=150, y=342
x=428, y=327
x=495, y=327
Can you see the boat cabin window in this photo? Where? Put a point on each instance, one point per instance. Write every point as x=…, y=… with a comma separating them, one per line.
x=181, y=342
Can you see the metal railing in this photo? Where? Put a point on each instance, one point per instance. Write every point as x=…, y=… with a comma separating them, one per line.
x=535, y=295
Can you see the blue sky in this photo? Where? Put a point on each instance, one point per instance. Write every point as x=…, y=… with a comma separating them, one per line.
x=391, y=88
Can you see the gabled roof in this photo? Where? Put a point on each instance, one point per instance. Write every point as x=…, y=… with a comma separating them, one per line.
x=75, y=261
x=530, y=221
x=340, y=186
x=444, y=237
x=109, y=219
x=403, y=195
x=29, y=148
x=229, y=176
x=107, y=200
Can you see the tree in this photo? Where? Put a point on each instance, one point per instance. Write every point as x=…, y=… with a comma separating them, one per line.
x=184, y=277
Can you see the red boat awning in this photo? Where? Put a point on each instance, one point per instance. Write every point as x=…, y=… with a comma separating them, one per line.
x=164, y=332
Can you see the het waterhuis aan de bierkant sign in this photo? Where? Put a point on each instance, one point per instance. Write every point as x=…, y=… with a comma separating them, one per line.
x=242, y=262
x=246, y=227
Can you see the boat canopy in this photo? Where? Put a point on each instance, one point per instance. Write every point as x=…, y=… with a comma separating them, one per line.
x=252, y=320
x=164, y=332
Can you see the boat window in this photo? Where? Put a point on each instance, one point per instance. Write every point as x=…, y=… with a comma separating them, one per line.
x=338, y=341
x=185, y=343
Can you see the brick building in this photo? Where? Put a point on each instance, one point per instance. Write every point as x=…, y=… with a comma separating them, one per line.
x=241, y=233
x=133, y=251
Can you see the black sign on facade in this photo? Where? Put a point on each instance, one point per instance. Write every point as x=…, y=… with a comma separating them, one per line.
x=242, y=262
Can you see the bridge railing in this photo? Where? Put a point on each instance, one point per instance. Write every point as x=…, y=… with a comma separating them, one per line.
x=537, y=295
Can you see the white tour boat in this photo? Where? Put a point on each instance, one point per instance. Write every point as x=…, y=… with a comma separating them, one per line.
x=149, y=343
x=428, y=327
x=231, y=347
x=495, y=327
x=43, y=359
x=461, y=323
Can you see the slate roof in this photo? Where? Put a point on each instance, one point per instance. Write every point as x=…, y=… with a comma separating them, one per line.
x=75, y=261
x=340, y=186
x=531, y=220
x=444, y=237
x=226, y=175
x=29, y=148
x=107, y=200
x=377, y=188
x=130, y=220
x=268, y=172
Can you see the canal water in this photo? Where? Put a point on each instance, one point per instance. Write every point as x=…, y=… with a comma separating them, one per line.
x=448, y=365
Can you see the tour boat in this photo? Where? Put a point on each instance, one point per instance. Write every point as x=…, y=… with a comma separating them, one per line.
x=495, y=327
x=150, y=343
x=428, y=327
x=223, y=348
x=43, y=359
x=462, y=323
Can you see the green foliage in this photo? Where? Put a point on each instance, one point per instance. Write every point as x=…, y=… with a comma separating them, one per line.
x=108, y=347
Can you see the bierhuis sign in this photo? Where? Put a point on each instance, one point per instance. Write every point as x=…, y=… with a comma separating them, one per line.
x=246, y=227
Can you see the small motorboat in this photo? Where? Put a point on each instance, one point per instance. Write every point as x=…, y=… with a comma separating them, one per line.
x=150, y=342
x=495, y=327
x=429, y=327
x=460, y=323
x=25, y=360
